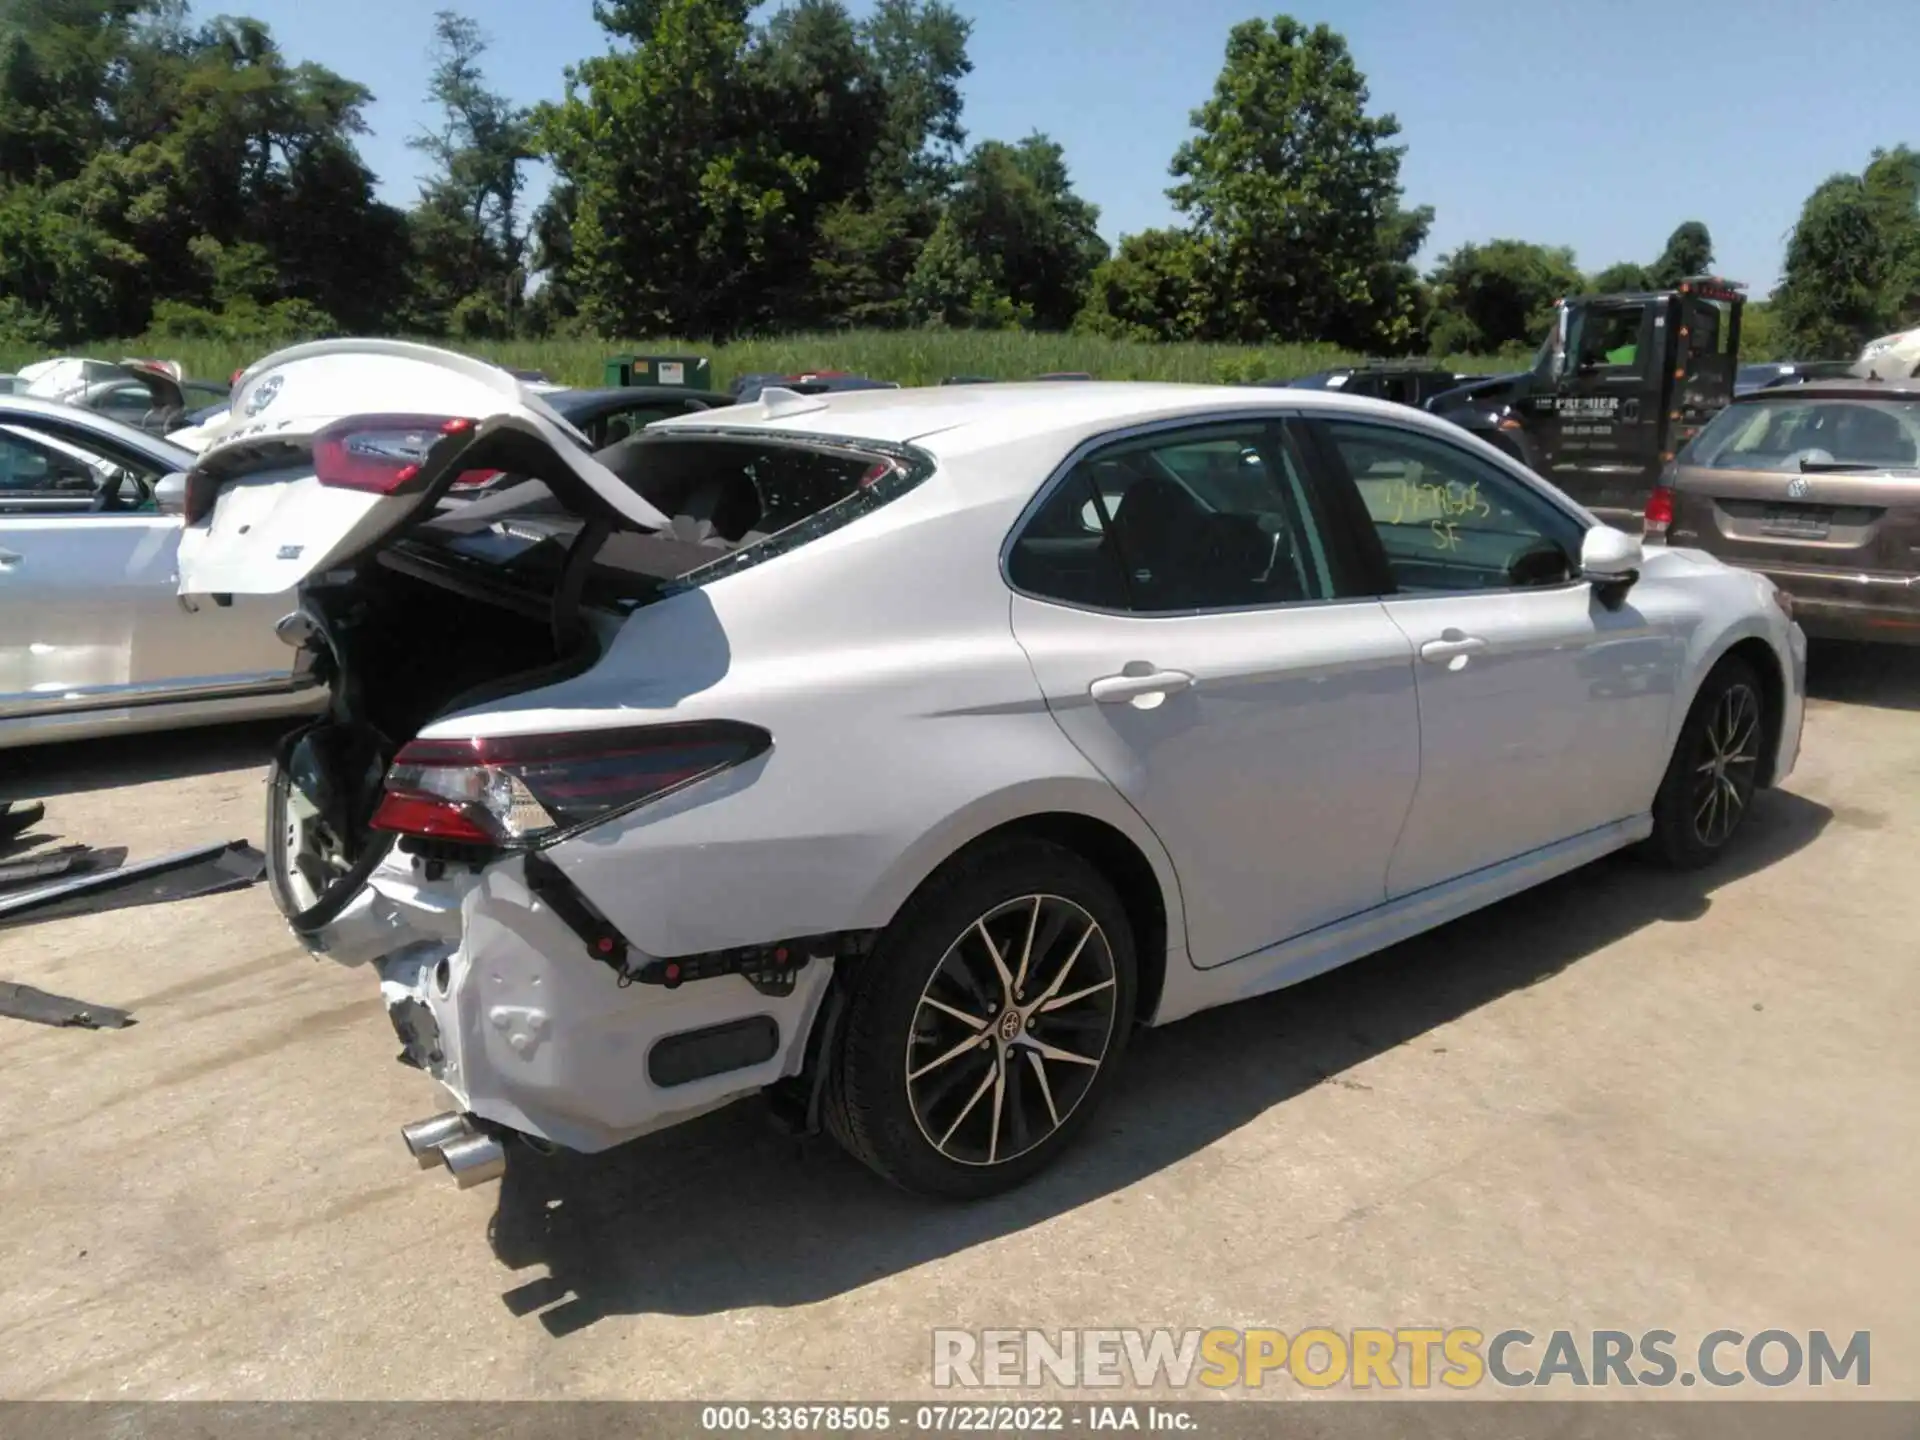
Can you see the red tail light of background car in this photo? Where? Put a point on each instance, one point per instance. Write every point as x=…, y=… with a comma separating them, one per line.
x=1659, y=512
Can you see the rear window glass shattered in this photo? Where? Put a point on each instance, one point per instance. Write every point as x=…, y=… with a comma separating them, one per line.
x=732, y=502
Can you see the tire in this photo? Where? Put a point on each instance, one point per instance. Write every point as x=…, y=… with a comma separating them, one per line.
x=1708, y=789
x=941, y=1086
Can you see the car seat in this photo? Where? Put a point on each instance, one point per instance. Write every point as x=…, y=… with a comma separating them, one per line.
x=1157, y=532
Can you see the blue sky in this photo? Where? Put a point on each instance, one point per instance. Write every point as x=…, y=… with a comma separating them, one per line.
x=1599, y=125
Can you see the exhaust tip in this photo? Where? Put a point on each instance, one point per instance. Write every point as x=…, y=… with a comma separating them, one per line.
x=474, y=1160
x=425, y=1138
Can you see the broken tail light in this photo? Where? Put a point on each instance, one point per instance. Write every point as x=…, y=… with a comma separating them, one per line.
x=1658, y=517
x=518, y=791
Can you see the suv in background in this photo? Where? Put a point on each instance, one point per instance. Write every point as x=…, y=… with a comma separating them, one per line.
x=1817, y=486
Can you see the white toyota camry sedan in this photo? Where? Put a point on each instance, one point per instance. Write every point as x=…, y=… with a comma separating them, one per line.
x=897, y=753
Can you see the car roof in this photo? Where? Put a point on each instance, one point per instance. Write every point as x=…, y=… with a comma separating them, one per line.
x=23, y=407
x=963, y=419
x=1839, y=388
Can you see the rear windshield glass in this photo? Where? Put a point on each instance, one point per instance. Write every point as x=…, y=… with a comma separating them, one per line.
x=732, y=502
x=1809, y=432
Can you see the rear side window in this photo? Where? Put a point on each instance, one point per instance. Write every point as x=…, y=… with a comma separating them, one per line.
x=1213, y=518
x=1788, y=435
x=1064, y=552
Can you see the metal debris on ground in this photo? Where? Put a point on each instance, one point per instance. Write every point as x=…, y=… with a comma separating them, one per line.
x=23, y=1002
x=18, y=819
x=43, y=864
x=205, y=870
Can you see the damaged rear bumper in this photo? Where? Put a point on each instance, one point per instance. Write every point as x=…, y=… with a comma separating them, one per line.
x=496, y=996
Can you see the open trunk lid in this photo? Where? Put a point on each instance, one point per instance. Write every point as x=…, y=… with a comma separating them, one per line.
x=330, y=448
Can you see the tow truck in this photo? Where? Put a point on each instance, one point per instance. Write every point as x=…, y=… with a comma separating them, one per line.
x=1620, y=383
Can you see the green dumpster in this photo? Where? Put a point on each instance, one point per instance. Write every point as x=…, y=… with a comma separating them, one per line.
x=693, y=372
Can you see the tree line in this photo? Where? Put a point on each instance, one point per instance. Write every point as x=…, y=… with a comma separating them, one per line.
x=719, y=173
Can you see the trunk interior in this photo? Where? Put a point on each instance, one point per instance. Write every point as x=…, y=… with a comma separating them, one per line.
x=397, y=649
x=506, y=594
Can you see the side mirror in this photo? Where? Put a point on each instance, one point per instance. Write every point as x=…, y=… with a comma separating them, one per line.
x=170, y=494
x=1610, y=559
x=1560, y=328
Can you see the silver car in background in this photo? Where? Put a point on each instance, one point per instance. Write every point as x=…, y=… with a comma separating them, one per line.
x=94, y=637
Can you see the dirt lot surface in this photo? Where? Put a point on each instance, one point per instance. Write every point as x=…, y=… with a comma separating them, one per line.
x=1628, y=1098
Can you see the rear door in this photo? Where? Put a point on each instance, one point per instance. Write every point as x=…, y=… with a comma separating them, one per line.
x=1185, y=605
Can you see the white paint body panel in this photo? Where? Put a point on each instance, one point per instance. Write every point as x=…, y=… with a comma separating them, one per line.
x=1556, y=728
x=1278, y=782
x=1319, y=793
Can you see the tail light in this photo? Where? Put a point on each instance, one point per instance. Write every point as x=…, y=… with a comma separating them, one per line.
x=518, y=791
x=1659, y=513
x=381, y=454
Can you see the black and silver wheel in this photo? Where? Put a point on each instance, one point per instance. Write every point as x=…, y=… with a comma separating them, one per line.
x=986, y=1025
x=1710, y=782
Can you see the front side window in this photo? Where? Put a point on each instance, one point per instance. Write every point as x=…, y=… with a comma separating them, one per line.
x=31, y=469
x=1610, y=337
x=1215, y=518
x=1803, y=434
x=1449, y=520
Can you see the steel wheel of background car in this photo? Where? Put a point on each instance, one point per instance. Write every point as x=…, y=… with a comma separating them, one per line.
x=987, y=1024
x=311, y=873
x=1708, y=789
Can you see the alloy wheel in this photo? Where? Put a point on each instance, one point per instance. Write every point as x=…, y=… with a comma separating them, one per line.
x=1011, y=1030
x=1723, y=781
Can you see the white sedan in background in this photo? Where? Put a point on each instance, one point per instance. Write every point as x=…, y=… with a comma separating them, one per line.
x=897, y=753
x=95, y=638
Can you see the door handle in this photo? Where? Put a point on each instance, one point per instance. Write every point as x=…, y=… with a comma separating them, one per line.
x=8, y=559
x=1123, y=689
x=1452, y=647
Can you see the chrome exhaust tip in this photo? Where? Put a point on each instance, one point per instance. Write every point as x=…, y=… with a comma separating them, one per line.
x=426, y=1137
x=474, y=1160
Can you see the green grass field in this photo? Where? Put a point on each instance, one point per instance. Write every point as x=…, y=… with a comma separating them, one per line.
x=912, y=357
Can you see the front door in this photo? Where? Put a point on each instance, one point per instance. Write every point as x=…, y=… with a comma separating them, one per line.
x=1190, y=619
x=1599, y=430
x=1542, y=713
